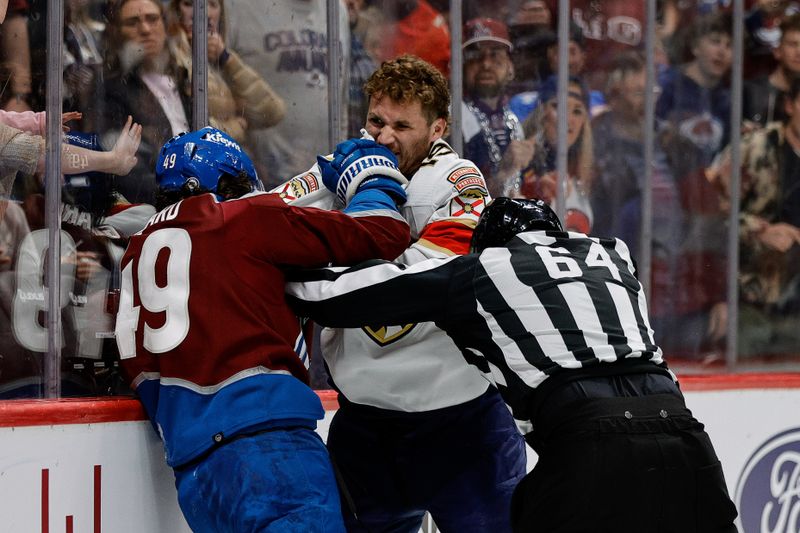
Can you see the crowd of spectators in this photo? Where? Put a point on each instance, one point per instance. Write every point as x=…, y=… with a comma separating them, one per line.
x=268, y=88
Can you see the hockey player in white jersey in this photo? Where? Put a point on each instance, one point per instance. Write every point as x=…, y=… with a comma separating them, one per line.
x=418, y=429
x=559, y=320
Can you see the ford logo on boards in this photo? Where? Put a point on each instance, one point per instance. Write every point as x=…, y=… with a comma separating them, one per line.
x=768, y=491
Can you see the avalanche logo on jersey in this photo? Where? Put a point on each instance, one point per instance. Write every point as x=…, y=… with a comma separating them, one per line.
x=299, y=186
x=385, y=335
x=469, y=203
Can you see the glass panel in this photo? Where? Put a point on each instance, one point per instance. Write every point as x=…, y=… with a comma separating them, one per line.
x=769, y=205
x=285, y=43
x=693, y=115
x=23, y=329
x=268, y=87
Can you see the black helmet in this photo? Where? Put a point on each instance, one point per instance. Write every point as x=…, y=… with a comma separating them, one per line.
x=505, y=217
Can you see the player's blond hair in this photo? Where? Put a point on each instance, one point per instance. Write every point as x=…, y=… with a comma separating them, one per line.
x=407, y=79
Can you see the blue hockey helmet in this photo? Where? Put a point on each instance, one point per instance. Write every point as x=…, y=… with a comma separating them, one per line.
x=505, y=217
x=194, y=161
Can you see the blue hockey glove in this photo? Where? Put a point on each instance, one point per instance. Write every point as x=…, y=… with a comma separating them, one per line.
x=377, y=192
x=352, y=162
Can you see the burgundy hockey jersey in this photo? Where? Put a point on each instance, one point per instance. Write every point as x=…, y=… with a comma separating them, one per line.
x=203, y=330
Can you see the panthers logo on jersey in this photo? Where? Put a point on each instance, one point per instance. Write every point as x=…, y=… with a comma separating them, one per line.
x=468, y=178
x=385, y=335
x=469, y=203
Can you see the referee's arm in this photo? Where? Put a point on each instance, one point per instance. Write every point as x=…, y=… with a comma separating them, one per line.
x=375, y=292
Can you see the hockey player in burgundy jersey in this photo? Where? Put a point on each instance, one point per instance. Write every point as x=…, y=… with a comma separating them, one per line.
x=214, y=353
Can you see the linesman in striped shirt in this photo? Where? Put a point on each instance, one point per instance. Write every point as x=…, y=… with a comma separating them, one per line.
x=558, y=322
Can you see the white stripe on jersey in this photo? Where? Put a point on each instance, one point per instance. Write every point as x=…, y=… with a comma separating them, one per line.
x=627, y=317
x=213, y=389
x=516, y=362
x=585, y=314
x=519, y=297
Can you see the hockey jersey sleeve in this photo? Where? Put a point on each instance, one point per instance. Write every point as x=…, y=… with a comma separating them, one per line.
x=307, y=190
x=446, y=197
x=377, y=292
x=309, y=237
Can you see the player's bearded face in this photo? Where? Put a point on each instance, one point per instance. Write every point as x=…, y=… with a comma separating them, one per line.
x=404, y=129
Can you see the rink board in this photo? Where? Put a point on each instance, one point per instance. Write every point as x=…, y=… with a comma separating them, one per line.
x=98, y=466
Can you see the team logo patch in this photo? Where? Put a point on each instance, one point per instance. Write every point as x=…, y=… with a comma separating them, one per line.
x=469, y=203
x=467, y=178
x=385, y=335
x=299, y=187
x=768, y=491
x=462, y=172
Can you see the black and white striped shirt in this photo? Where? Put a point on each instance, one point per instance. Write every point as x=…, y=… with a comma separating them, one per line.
x=548, y=302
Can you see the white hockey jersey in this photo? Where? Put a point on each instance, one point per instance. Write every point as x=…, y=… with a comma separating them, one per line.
x=416, y=367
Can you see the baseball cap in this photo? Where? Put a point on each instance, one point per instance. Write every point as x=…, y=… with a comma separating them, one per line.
x=485, y=29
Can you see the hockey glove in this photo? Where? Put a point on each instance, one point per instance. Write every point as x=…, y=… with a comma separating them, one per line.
x=352, y=162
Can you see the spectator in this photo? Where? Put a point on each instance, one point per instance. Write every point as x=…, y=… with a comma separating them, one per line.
x=609, y=28
x=531, y=30
x=619, y=160
x=497, y=9
x=539, y=179
x=492, y=133
x=762, y=98
x=439, y=435
x=763, y=34
x=83, y=50
x=145, y=81
x=24, y=153
x=695, y=100
x=366, y=23
x=523, y=103
x=769, y=233
x=362, y=65
x=534, y=13
x=619, y=184
x=83, y=57
x=561, y=321
x=239, y=421
x=286, y=43
x=238, y=98
x=85, y=269
x=16, y=54
x=694, y=114
x=415, y=27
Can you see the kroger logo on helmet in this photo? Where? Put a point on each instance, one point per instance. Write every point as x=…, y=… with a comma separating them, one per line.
x=768, y=491
x=220, y=139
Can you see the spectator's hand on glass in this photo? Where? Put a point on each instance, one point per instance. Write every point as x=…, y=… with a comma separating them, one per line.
x=518, y=155
x=124, y=151
x=749, y=126
x=780, y=236
x=546, y=186
x=87, y=265
x=69, y=115
x=5, y=257
x=717, y=322
x=216, y=46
